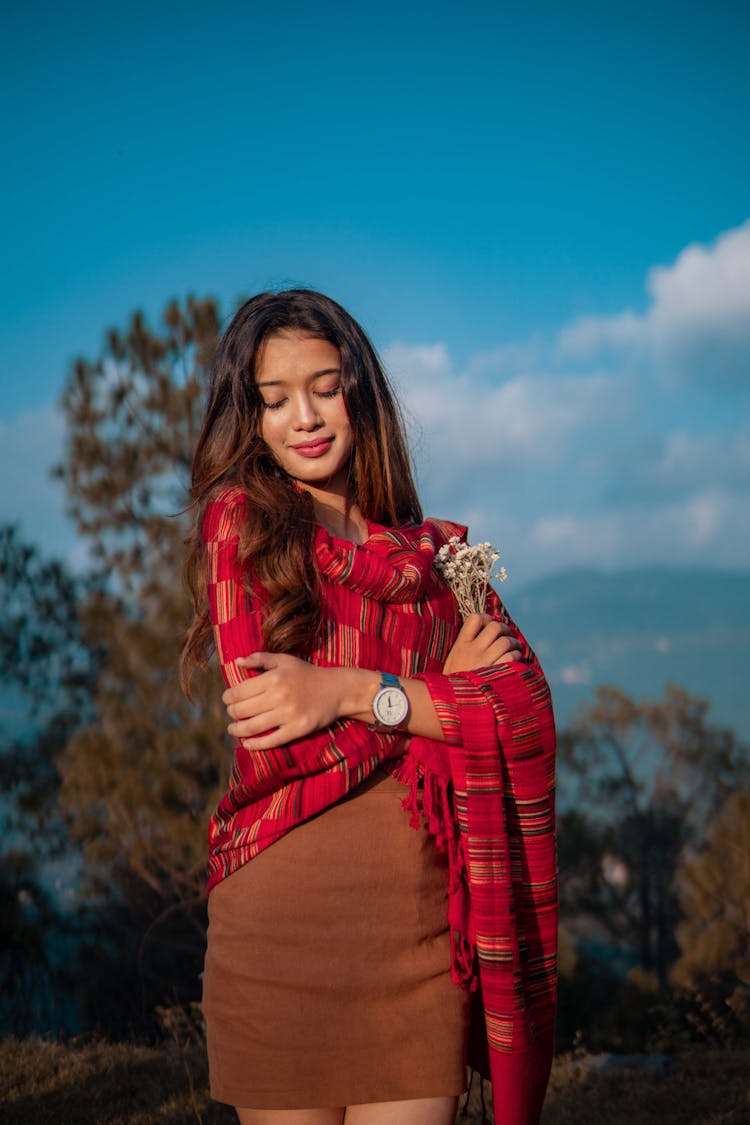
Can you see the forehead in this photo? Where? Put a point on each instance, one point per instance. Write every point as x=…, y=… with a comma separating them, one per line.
x=293, y=354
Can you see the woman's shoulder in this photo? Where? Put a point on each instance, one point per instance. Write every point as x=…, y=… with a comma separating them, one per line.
x=445, y=530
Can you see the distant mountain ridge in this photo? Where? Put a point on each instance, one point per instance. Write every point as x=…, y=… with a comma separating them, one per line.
x=639, y=629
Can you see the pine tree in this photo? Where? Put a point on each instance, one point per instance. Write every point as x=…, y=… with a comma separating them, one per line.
x=140, y=780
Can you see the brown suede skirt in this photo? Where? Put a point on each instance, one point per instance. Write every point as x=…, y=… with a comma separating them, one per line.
x=327, y=978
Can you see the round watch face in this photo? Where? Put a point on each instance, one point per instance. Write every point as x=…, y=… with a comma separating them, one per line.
x=390, y=706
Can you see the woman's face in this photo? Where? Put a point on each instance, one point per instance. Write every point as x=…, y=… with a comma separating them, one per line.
x=304, y=421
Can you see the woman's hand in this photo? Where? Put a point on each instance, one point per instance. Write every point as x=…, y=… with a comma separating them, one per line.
x=482, y=642
x=290, y=699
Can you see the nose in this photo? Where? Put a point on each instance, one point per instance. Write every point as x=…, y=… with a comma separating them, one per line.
x=306, y=415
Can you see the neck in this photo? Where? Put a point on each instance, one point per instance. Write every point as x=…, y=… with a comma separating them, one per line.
x=339, y=515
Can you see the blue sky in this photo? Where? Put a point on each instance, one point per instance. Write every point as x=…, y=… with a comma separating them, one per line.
x=538, y=212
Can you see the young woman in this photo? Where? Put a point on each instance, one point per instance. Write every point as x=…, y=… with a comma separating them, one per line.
x=345, y=936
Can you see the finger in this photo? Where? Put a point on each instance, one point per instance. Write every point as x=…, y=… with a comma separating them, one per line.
x=489, y=636
x=278, y=737
x=247, y=708
x=254, y=726
x=489, y=633
x=248, y=689
x=258, y=660
x=472, y=626
x=504, y=628
x=508, y=634
x=280, y=728
x=273, y=690
x=502, y=648
x=263, y=709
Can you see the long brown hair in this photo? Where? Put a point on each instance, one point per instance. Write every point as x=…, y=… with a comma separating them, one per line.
x=276, y=541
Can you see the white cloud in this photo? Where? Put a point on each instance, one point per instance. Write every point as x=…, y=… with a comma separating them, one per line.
x=416, y=362
x=697, y=324
x=698, y=457
x=575, y=674
x=510, y=359
x=684, y=462
x=463, y=420
x=589, y=335
x=704, y=529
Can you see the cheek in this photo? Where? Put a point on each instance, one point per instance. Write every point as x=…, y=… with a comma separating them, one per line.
x=342, y=416
x=345, y=429
x=268, y=427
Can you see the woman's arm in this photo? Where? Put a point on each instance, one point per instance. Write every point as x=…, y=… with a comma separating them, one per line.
x=237, y=616
x=515, y=695
x=292, y=698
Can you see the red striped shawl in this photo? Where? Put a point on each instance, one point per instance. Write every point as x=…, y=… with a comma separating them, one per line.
x=487, y=792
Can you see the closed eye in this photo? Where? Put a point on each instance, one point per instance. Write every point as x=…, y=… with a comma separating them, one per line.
x=332, y=393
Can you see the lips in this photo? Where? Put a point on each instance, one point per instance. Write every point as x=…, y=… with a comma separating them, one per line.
x=313, y=448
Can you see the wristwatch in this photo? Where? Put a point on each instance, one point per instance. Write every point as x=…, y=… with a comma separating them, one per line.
x=391, y=704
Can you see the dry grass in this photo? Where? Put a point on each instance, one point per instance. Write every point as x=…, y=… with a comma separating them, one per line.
x=703, y=1087
x=101, y=1083
x=114, y=1083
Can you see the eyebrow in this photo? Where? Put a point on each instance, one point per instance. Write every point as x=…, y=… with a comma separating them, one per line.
x=315, y=375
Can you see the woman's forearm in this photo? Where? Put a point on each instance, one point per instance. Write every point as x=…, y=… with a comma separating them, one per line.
x=286, y=698
x=358, y=687
x=481, y=642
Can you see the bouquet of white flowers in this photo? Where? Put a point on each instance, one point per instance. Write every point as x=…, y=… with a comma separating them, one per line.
x=468, y=571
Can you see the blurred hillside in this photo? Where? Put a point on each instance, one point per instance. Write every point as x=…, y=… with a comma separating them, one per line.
x=640, y=629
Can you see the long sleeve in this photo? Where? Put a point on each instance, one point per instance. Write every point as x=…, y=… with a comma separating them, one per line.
x=236, y=613
x=267, y=793
x=513, y=696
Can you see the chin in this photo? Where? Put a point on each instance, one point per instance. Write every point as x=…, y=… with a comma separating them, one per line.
x=334, y=481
